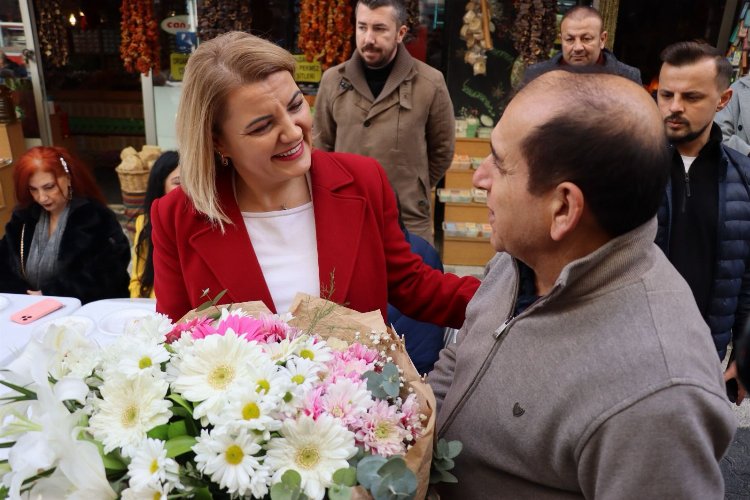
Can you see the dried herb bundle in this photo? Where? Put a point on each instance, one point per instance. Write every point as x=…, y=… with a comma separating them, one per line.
x=53, y=38
x=139, y=47
x=216, y=17
x=534, y=29
x=325, y=31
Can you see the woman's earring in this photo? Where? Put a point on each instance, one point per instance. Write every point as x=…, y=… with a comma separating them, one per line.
x=224, y=160
x=70, y=192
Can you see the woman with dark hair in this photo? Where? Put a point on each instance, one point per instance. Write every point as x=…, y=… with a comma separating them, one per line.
x=164, y=177
x=62, y=238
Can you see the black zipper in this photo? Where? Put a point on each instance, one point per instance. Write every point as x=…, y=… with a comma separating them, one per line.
x=687, y=191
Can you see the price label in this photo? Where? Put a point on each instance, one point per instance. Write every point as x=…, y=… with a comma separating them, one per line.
x=177, y=63
x=307, y=71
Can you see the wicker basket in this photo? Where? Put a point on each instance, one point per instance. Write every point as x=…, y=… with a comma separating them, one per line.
x=133, y=181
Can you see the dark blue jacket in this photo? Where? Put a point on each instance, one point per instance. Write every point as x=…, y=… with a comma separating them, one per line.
x=423, y=340
x=730, y=296
x=611, y=64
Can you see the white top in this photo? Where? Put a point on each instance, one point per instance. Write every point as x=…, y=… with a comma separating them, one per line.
x=287, y=250
x=688, y=162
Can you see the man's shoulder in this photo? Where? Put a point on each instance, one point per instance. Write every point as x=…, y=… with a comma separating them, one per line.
x=426, y=71
x=331, y=74
x=541, y=67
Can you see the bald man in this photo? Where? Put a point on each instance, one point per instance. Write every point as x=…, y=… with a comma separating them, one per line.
x=583, y=38
x=584, y=368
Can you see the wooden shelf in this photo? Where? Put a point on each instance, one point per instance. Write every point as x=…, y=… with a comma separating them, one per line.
x=467, y=251
x=466, y=212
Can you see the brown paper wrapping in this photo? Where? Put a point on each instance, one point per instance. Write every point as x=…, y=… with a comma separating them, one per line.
x=330, y=320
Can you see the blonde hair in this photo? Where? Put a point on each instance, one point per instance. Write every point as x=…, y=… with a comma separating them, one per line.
x=213, y=71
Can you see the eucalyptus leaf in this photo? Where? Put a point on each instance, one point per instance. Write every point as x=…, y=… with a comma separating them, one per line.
x=339, y=492
x=375, y=384
x=454, y=448
x=289, y=488
x=345, y=477
x=367, y=471
x=202, y=494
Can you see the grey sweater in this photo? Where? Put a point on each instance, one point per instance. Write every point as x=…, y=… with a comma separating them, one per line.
x=607, y=387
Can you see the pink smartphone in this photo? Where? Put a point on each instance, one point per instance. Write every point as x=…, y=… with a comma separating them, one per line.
x=36, y=311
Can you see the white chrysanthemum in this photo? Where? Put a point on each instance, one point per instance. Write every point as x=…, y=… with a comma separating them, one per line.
x=74, y=353
x=149, y=492
x=151, y=467
x=304, y=373
x=139, y=356
x=229, y=458
x=152, y=328
x=314, y=349
x=250, y=410
x=314, y=448
x=207, y=371
x=128, y=409
x=279, y=352
x=269, y=378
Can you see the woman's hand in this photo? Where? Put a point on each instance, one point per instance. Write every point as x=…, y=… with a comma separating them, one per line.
x=34, y=292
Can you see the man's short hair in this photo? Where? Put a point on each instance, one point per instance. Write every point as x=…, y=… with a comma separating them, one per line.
x=399, y=10
x=582, y=12
x=686, y=53
x=601, y=144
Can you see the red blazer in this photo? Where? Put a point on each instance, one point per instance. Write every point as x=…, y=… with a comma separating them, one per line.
x=359, y=239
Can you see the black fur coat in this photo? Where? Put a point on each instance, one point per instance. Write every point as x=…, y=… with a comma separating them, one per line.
x=93, y=259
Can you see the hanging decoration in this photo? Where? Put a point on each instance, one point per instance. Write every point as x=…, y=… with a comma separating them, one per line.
x=412, y=19
x=139, y=48
x=477, y=33
x=534, y=30
x=53, y=38
x=326, y=31
x=216, y=17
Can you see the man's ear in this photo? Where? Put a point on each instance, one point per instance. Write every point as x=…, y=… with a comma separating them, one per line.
x=602, y=39
x=567, y=205
x=402, y=33
x=726, y=96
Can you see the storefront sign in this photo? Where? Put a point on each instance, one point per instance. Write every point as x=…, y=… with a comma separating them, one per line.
x=177, y=63
x=307, y=71
x=176, y=23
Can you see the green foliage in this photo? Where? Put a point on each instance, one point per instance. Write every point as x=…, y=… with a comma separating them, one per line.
x=387, y=479
x=179, y=446
x=345, y=477
x=26, y=394
x=211, y=303
x=443, y=456
x=290, y=487
x=385, y=384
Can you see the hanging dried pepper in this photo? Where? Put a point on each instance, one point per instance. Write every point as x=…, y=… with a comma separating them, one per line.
x=325, y=31
x=534, y=29
x=216, y=17
x=53, y=37
x=139, y=48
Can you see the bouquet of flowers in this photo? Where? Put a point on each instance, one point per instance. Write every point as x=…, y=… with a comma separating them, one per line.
x=229, y=402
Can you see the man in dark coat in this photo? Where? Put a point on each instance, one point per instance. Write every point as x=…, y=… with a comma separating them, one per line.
x=583, y=38
x=705, y=216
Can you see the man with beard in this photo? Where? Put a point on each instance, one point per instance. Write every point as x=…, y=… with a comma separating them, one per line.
x=704, y=220
x=385, y=104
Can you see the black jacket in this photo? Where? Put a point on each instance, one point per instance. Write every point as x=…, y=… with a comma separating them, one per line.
x=93, y=259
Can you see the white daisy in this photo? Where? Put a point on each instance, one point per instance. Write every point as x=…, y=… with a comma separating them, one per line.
x=229, y=458
x=74, y=353
x=148, y=492
x=304, y=373
x=209, y=369
x=135, y=356
x=279, y=352
x=128, y=409
x=253, y=411
x=151, y=467
x=314, y=349
x=269, y=378
x=314, y=448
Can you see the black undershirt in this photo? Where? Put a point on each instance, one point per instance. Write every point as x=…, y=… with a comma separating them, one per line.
x=695, y=215
x=376, y=78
